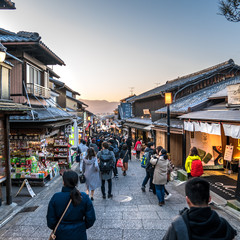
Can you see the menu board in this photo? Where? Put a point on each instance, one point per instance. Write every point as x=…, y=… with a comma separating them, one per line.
x=228, y=153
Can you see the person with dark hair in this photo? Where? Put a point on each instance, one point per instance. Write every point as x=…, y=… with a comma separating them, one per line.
x=138, y=148
x=80, y=214
x=107, y=162
x=200, y=221
x=125, y=158
x=193, y=155
x=113, y=147
x=91, y=172
x=94, y=145
x=129, y=144
x=148, y=152
x=161, y=166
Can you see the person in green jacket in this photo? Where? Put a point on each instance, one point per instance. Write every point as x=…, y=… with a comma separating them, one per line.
x=193, y=155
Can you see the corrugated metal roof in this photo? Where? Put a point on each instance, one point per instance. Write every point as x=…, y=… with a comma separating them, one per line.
x=183, y=105
x=229, y=115
x=145, y=121
x=174, y=123
x=50, y=114
x=170, y=85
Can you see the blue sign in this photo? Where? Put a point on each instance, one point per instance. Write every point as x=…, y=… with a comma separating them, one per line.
x=126, y=109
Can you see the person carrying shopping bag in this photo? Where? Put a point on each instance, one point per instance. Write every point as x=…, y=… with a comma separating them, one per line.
x=125, y=157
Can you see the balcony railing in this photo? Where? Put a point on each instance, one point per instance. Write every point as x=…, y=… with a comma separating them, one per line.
x=38, y=90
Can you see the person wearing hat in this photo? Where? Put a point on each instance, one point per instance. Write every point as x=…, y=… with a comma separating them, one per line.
x=162, y=165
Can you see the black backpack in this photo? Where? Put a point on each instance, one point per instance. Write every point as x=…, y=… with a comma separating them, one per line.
x=106, y=162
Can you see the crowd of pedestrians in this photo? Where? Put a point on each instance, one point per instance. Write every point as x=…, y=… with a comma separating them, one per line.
x=71, y=212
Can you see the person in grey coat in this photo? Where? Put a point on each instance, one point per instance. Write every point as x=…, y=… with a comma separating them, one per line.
x=162, y=165
x=106, y=156
x=91, y=172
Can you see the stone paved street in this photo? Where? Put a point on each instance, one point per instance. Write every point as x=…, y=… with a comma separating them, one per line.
x=131, y=214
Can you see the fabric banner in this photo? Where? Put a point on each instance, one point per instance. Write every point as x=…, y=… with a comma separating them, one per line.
x=203, y=126
x=214, y=128
x=188, y=126
x=232, y=130
x=197, y=126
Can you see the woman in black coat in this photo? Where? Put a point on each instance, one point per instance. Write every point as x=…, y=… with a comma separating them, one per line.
x=80, y=214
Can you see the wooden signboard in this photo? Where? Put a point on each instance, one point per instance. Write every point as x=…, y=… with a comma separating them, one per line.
x=228, y=153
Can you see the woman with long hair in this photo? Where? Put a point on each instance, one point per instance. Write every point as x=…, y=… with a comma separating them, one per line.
x=80, y=214
x=91, y=172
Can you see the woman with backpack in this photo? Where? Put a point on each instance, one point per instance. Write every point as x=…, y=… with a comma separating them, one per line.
x=80, y=214
x=162, y=165
x=124, y=156
x=138, y=148
x=91, y=172
x=193, y=155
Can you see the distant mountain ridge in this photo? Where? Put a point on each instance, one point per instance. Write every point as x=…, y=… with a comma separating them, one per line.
x=100, y=106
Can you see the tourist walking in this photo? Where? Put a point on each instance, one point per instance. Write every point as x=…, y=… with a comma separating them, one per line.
x=94, y=145
x=161, y=163
x=80, y=214
x=107, y=162
x=138, y=148
x=193, y=155
x=200, y=221
x=129, y=144
x=124, y=156
x=91, y=172
x=114, y=148
x=148, y=152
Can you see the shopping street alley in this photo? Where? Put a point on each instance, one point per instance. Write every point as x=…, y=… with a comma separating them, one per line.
x=131, y=214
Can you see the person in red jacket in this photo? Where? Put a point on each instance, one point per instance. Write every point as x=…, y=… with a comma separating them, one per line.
x=196, y=168
x=138, y=148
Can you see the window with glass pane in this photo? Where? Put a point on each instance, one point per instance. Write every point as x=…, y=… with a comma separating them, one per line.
x=68, y=93
x=5, y=83
x=33, y=75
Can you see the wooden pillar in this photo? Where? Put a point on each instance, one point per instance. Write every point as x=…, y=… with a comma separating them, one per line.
x=7, y=159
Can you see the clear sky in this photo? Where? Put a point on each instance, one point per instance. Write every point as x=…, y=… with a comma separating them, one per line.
x=111, y=45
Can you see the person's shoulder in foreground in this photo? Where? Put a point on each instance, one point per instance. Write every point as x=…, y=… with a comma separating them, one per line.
x=200, y=221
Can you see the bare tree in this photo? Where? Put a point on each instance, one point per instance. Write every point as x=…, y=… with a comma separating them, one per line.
x=230, y=9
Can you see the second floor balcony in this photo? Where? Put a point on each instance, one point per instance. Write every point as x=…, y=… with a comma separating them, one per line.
x=38, y=90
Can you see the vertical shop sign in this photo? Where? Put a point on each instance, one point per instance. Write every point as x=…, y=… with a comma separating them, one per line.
x=228, y=153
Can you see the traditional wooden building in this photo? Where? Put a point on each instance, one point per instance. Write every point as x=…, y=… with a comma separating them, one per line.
x=144, y=106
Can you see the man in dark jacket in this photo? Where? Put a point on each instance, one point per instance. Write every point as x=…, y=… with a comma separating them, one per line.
x=149, y=174
x=200, y=221
x=129, y=145
x=113, y=147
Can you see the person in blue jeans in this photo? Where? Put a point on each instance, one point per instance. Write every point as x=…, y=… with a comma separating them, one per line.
x=162, y=165
x=149, y=170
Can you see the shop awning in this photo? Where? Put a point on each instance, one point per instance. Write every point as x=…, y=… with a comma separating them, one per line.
x=137, y=126
x=232, y=130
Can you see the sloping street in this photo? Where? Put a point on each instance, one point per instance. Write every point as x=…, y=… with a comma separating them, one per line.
x=131, y=214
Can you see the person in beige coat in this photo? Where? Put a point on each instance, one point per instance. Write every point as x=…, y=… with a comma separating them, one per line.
x=162, y=165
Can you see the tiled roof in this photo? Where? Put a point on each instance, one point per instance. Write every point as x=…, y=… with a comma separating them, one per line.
x=9, y=106
x=7, y=4
x=184, y=104
x=7, y=37
x=170, y=85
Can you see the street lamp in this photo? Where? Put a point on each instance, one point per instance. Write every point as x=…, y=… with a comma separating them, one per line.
x=168, y=101
x=3, y=52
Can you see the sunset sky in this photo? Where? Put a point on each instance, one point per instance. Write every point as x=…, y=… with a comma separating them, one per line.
x=111, y=45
